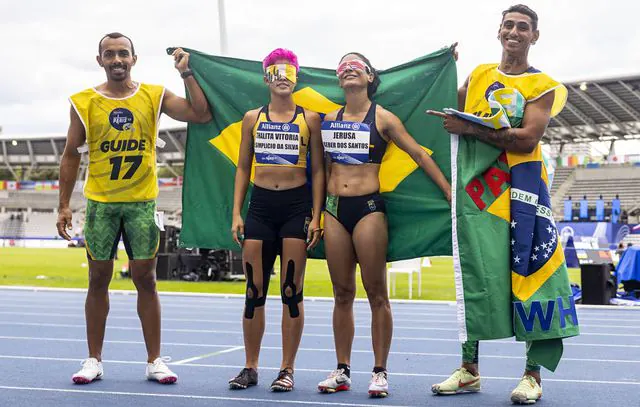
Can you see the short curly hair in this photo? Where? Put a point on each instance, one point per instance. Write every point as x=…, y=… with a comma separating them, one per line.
x=281, y=53
x=522, y=9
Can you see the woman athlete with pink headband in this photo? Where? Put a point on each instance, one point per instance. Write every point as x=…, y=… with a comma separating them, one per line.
x=355, y=139
x=283, y=216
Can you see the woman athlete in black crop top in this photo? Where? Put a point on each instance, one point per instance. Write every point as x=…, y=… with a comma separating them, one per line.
x=355, y=226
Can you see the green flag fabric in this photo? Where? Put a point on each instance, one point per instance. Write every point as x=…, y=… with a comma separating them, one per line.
x=418, y=214
x=519, y=283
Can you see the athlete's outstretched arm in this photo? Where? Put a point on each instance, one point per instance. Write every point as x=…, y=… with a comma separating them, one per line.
x=520, y=140
x=196, y=109
x=243, y=174
x=317, y=175
x=69, y=165
x=393, y=127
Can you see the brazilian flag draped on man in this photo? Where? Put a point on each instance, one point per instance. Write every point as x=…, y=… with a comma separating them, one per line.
x=419, y=216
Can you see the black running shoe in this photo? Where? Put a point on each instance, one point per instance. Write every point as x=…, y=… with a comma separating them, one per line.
x=246, y=377
x=284, y=382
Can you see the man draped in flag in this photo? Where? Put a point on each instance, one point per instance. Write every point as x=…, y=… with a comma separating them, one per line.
x=508, y=106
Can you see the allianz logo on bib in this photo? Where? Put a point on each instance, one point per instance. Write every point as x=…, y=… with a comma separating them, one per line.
x=275, y=126
x=344, y=126
x=121, y=119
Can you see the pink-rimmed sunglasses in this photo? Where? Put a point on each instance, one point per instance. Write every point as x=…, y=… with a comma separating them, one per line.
x=354, y=64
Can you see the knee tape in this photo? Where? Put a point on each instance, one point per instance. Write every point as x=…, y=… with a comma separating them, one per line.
x=294, y=299
x=269, y=252
x=253, y=301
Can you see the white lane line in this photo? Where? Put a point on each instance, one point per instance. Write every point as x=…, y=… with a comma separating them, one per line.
x=304, y=349
x=215, y=321
x=190, y=396
x=179, y=296
x=236, y=321
x=206, y=355
x=367, y=373
x=406, y=338
x=218, y=298
x=196, y=308
x=568, y=342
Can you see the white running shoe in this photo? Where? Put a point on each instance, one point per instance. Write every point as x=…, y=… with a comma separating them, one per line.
x=379, y=386
x=160, y=372
x=336, y=381
x=91, y=370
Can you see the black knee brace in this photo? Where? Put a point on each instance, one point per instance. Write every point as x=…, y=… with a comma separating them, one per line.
x=294, y=299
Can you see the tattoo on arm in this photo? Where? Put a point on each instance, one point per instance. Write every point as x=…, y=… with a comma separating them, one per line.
x=503, y=138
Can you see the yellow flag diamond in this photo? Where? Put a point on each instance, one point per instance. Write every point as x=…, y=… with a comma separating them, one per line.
x=396, y=164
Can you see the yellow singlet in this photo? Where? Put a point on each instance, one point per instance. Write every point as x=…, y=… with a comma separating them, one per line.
x=121, y=135
x=532, y=84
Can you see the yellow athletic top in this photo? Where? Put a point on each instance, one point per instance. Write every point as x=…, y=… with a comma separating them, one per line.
x=121, y=135
x=532, y=85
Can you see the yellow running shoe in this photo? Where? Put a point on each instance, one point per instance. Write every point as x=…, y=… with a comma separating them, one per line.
x=461, y=381
x=528, y=391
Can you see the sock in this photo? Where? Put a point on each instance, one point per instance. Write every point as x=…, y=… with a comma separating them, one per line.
x=346, y=368
x=378, y=369
x=532, y=366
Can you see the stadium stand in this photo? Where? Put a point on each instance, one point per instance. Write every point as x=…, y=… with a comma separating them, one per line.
x=598, y=110
x=607, y=181
x=33, y=213
x=170, y=200
x=562, y=174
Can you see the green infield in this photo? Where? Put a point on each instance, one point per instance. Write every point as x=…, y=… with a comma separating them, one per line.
x=68, y=268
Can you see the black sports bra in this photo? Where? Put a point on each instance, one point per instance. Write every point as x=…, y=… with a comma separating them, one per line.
x=377, y=145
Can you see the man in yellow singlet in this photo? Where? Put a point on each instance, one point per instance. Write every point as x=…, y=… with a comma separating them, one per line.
x=118, y=121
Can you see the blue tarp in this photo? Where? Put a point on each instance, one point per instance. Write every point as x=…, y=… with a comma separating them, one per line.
x=629, y=266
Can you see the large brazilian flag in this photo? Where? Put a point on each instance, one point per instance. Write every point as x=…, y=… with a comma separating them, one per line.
x=419, y=216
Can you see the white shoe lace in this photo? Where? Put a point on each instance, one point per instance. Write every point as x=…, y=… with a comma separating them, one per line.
x=159, y=363
x=335, y=373
x=90, y=363
x=380, y=379
x=526, y=384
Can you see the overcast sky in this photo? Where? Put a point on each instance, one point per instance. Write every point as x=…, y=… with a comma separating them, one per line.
x=50, y=46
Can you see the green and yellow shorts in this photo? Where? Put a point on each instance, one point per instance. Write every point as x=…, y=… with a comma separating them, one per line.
x=106, y=222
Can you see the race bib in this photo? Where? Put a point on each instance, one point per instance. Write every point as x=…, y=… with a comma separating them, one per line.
x=346, y=142
x=277, y=143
